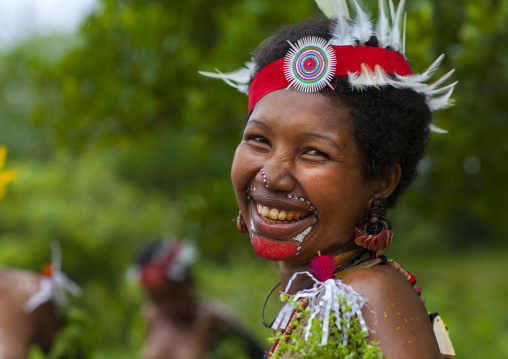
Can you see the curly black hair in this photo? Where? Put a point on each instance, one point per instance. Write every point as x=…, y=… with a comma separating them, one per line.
x=391, y=125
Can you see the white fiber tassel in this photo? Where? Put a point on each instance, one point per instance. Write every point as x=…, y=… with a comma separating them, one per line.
x=324, y=299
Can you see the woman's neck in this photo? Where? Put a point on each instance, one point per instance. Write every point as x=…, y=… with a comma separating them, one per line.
x=299, y=282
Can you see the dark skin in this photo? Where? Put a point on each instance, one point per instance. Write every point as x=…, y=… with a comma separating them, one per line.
x=179, y=326
x=304, y=143
x=19, y=330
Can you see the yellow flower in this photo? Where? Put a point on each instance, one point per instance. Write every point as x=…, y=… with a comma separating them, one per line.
x=5, y=176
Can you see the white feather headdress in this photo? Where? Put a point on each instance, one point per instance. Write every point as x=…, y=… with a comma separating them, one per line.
x=53, y=286
x=390, y=33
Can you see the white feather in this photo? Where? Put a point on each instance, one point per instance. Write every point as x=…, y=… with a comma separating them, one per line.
x=238, y=79
x=441, y=89
x=326, y=7
x=55, y=287
x=403, y=47
x=434, y=86
x=444, y=101
x=380, y=78
x=427, y=74
x=341, y=31
x=345, y=32
x=382, y=26
x=392, y=9
x=362, y=28
x=427, y=89
x=396, y=17
x=340, y=8
x=434, y=128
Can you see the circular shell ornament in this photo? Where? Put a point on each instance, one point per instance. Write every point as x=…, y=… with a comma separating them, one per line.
x=310, y=64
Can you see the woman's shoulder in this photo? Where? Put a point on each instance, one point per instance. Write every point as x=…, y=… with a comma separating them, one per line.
x=378, y=281
x=394, y=313
x=19, y=283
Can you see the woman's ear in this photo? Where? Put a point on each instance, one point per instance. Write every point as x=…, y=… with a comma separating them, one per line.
x=386, y=183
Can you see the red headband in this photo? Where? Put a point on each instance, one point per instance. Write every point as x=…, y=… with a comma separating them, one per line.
x=310, y=62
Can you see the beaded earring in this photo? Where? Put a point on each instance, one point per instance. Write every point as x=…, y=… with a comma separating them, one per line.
x=374, y=232
x=240, y=224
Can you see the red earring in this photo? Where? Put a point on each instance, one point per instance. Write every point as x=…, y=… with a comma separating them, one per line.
x=374, y=232
x=240, y=224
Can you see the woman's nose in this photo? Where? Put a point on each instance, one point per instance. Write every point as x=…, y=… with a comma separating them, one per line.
x=277, y=175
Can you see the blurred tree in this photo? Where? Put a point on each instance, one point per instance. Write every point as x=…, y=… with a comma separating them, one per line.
x=132, y=82
x=462, y=184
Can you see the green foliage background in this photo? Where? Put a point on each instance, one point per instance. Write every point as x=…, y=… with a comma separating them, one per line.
x=118, y=140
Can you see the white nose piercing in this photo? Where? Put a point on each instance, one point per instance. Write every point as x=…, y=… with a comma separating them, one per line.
x=265, y=181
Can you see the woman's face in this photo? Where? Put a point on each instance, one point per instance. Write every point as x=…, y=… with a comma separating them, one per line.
x=297, y=176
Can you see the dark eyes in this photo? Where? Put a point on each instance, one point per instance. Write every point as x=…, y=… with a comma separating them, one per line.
x=310, y=153
x=257, y=138
x=315, y=152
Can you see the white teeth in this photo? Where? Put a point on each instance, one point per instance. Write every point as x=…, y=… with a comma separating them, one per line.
x=274, y=213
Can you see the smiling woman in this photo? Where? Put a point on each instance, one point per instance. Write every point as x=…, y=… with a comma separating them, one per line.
x=337, y=125
x=311, y=134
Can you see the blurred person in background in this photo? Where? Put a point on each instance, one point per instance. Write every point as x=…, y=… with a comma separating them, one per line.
x=180, y=325
x=20, y=328
x=33, y=311
x=337, y=125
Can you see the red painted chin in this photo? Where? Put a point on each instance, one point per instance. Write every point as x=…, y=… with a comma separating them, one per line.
x=272, y=249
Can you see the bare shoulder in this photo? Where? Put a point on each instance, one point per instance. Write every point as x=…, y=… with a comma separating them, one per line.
x=19, y=284
x=395, y=314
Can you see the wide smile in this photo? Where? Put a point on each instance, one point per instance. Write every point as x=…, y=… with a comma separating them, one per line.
x=281, y=221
